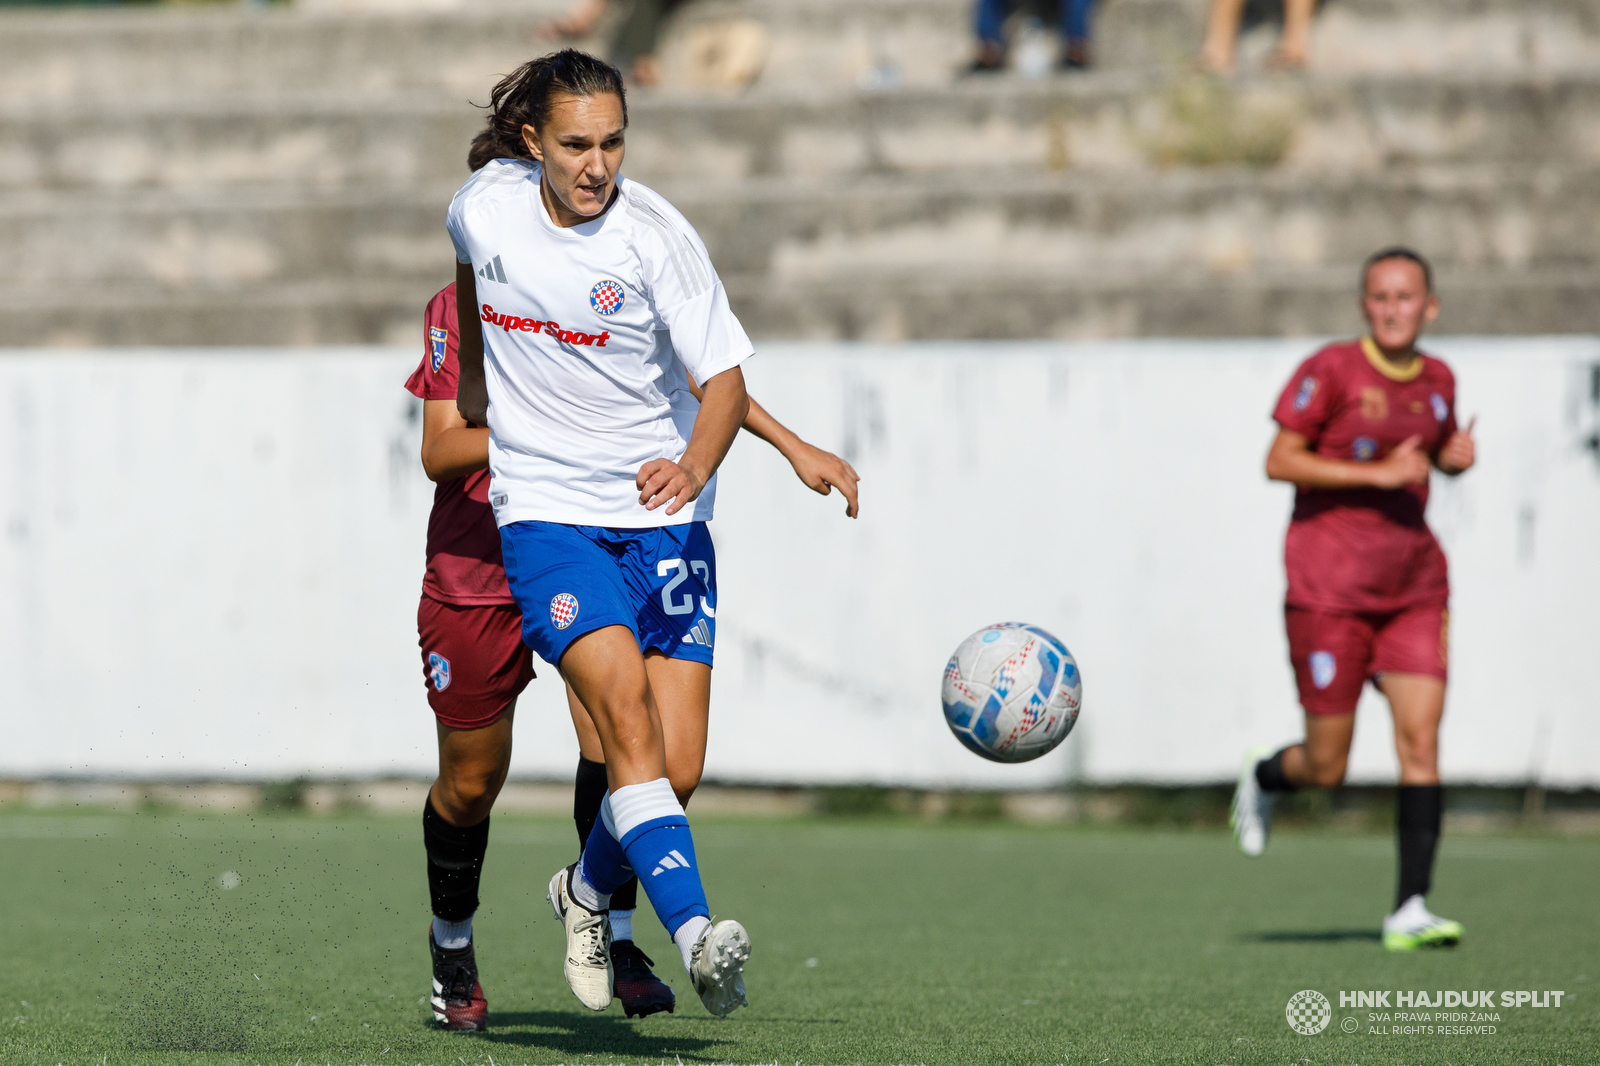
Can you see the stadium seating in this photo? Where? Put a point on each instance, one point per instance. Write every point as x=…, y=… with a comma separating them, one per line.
x=258, y=175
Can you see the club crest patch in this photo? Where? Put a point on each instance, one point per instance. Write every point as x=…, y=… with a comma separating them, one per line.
x=1308, y=389
x=563, y=610
x=1363, y=448
x=437, y=339
x=1323, y=668
x=438, y=671
x=1441, y=410
x=607, y=297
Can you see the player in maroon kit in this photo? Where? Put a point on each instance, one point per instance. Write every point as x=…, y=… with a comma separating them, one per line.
x=475, y=665
x=1360, y=426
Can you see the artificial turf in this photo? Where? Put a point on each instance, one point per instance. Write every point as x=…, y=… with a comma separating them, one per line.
x=874, y=942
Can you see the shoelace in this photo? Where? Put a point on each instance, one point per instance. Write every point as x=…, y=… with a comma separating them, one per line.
x=631, y=958
x=594, y=926
x=459, y=986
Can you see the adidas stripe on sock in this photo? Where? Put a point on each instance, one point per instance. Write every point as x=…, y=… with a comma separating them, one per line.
x=649, y=824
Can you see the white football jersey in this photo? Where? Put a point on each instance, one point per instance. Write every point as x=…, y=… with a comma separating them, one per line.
x=587, y=334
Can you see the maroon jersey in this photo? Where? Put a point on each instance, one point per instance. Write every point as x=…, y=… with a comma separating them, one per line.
x=464, y=563
x=1367, y=549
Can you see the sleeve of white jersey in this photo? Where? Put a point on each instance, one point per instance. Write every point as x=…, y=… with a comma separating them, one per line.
x=458, y=236
x=688, y=295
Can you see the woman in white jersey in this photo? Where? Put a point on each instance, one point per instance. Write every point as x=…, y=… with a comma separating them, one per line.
x=586, y=303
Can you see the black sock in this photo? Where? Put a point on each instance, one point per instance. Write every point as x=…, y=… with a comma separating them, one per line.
x=1420, y=811
x=588, y=792
x=455, y=862
x=1269, y=773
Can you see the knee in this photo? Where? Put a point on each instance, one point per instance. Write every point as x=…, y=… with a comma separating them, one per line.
x=1326, y=773
x=465, y=798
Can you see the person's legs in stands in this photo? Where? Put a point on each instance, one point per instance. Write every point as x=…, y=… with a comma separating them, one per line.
x=989, y=24
x=1222, y=30
x=1075, y=32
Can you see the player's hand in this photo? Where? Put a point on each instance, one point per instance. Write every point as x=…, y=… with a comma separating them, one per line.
x=662, y=480
x=1459, y=452
x=823, y=472
x=1407, y=465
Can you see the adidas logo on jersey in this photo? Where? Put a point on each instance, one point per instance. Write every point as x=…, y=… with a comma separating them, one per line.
x=493, y=271
x=700, y=634
x=549, y=329
x=668, y=863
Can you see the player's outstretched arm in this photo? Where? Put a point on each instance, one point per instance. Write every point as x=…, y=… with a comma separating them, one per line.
x=1291, y=459
x=723, y=406
x=451, y=447
x=472, y=391
x=820, y=470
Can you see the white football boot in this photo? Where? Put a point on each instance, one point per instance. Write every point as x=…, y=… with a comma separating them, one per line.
x=588, y=965
x=716, y=968
x=1413, y=926
x=1251, y=817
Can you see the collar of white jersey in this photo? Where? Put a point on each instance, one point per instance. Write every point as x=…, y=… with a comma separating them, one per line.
x=582, y=229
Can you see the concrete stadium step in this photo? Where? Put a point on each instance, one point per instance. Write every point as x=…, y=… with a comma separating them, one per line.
x=114, y=55
x=1089, y=304
x=1231, y=221
x=952, y=305
x=1102, y=122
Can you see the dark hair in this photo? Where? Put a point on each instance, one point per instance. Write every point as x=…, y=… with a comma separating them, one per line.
x=1397, y=252
x=524, y=97
x=487, y=146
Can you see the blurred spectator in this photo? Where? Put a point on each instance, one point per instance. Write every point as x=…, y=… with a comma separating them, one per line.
x=991, y=17
x=1222, y=31
x=633, y=49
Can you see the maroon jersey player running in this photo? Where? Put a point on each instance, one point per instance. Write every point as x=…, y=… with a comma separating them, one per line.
x=1361, y=424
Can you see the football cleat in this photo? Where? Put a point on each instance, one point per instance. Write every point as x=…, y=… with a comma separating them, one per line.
x=588, y=965
x=1251, y=816
x=1412, y=926
x=716, y=968
x=641, y=991
x=457, y=999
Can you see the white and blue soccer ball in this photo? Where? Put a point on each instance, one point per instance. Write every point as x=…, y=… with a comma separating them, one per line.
x=1012, y=692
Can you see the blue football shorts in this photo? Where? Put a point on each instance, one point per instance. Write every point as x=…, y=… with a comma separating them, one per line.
x=570, y=580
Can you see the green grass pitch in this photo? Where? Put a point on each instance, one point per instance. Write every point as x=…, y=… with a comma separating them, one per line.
x=874, y=942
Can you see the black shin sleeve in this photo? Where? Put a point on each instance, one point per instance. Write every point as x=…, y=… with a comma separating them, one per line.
x=589, y=791
x=1269, y=773
x=1417, y=821
x=455, y=862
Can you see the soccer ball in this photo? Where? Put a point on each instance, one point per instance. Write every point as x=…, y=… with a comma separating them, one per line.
x=1012, y=692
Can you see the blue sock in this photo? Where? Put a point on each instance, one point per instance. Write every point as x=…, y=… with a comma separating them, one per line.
x=604, y=864
x=650, y=825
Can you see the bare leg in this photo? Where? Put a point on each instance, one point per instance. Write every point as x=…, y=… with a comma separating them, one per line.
x=588, y=737
x=1320, y=761
x=472, y=769
x=608, y=675
x=683, y=697
x=1222, y=31
x=1295, y=44
x=1417, y=703
x=683, y=693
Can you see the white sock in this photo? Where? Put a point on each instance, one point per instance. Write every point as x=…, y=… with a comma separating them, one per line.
x=585, y=893
x=452, y=936
x=687, y=934
x=621, y=925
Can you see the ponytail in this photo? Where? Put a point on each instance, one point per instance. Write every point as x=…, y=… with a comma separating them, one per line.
x=525, y=96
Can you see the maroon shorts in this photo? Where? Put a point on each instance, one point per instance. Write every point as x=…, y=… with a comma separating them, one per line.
x=473, y=660
x=1335, y=654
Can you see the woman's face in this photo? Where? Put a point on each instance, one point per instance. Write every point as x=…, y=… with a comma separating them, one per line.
x=1397, y=303
x=580, y=148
